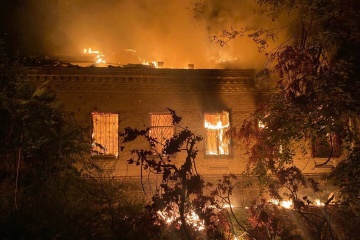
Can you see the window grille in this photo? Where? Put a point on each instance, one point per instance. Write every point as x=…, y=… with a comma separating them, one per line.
x=161, y=129
x=105, y=139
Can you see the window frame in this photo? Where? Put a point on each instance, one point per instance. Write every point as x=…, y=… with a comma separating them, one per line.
x=115, y=136
x=321, y=147
x=155, y=149
x=225, y=129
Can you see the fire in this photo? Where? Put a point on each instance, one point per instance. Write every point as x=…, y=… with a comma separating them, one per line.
x=288, y=204
x=100, y=57
x=171, y=216
x=318, y=202
x=284, y=203
x=226, y=205
x=261, y=124
x=142, y=60
x=217, y=126
x=89, y=51
x=152, y=63
x=223, y=57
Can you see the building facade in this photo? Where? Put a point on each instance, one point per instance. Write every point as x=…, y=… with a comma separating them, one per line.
x=210, y=102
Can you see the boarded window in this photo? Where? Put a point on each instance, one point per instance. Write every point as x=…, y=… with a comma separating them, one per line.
x=105, y=139
x=217, y=140
x=161, y=129
x=324, y=146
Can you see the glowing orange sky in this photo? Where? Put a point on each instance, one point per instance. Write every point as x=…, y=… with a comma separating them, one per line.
x=165, y=31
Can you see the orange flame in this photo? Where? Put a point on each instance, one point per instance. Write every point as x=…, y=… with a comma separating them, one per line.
x=100, y=57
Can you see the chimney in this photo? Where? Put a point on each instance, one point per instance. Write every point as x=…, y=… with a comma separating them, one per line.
x=160, y=64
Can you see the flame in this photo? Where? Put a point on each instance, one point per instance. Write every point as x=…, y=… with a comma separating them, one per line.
x=142, y=60
x=152, y=63
x=219, y=125
x=226, y=205
x=289, y=203
x=318, y=202
x=284, y=203
x=100, y=57
x=217, y=120
x=222, y=129
x=90, y=51
x=261, y=124
x=223, y=57
x=173, y=215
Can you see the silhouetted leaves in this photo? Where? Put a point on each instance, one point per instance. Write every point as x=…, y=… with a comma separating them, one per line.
x=181, y=185
x=314, y=91
x=175, y=118
x=130, y=134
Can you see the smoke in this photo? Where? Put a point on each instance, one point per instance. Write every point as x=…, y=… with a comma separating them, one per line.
x=175, y=32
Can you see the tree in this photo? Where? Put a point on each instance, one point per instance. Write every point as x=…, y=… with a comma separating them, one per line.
x=181, y=199
x=44, y=156
x=315, y=96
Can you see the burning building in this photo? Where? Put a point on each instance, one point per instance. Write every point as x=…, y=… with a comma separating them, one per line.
x=210, y=101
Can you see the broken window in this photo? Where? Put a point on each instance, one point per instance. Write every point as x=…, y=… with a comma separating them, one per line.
x=105, y=130
x=217, y=138
x=328, y=145
x=161, y=129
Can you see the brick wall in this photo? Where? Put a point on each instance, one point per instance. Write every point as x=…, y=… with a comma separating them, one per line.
x=134, y=93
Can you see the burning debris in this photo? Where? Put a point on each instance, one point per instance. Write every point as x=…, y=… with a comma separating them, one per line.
x=223, y=57
x=289, y=204
x=100, y=57
x=142, y=60
x=172, y=216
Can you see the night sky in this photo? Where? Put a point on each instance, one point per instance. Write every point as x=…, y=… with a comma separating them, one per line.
x=168, y=31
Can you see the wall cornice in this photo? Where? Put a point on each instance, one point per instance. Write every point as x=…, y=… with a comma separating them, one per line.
x=138, y=79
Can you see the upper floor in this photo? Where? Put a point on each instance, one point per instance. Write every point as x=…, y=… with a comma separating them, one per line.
x=213, y=104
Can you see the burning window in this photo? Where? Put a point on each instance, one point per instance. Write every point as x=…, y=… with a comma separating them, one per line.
x=326, y=145
x=161, y=129
x=217, y=138
x=105, y=134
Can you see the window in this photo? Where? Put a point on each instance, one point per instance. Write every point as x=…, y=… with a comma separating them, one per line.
x=105, y=139
x=161, y=129
x=325, y=145
x=217, y=139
